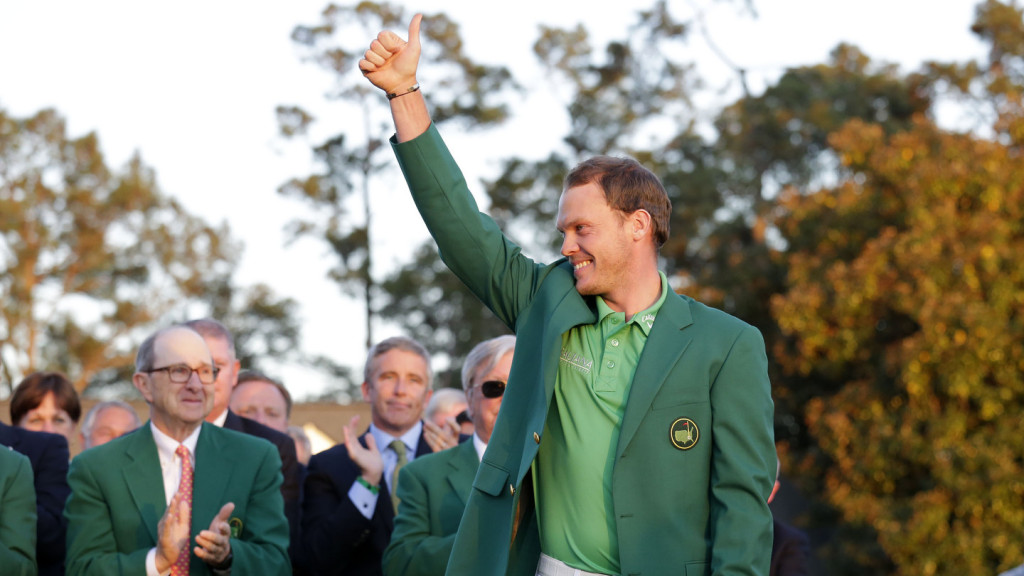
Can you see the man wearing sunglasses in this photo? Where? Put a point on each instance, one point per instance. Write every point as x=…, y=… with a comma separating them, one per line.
x=433, y=490
x=637, y=432
x=177, y=495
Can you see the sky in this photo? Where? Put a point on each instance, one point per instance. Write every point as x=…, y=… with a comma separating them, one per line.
x=192, y=86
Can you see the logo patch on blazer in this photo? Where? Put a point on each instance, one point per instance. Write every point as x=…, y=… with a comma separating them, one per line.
x=236, y=527
x=683, y=433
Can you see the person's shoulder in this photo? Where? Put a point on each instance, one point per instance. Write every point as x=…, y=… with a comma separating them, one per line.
x=334, y=461
x=236, y=439
x=432, y=460
x=112, y=449
x=337, y=452
x=435, y=462
x=12, y=461
x=701, y=312
x=254, y=428
x=37, y=445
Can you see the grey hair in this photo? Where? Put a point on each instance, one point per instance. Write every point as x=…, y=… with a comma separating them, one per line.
x=484, y=356
x=397, y=343
x=145, y=357
x=90, y=418
x=443, y=399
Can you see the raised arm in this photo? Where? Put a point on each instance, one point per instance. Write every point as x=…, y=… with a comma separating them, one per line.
x=390, y=64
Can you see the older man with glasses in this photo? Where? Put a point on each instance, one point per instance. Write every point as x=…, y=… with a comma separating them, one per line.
x=433, y=489
x=178, y=496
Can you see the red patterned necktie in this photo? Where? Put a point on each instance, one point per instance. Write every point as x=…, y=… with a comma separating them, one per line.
x=180, y=568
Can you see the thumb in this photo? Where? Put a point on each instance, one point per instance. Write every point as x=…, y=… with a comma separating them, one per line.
x=225, y=512
x=414, y=30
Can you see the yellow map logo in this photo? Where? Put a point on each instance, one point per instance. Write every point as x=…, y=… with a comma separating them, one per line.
x=684, y=433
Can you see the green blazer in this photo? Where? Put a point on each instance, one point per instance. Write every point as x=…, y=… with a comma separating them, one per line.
x=17, y=514
x=117, y=499
x=683, y=504
x=433, y=490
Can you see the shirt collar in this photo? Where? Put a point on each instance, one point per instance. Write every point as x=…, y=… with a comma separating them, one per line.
x=411, y=438
x=643, y=319
x=480, y=446
x=165, y=445
x=220, y=420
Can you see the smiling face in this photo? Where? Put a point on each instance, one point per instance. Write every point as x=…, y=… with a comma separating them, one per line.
x=48, y=417
x=177, y=408
x=398, y=388
x=598, y=242
x=483, y=410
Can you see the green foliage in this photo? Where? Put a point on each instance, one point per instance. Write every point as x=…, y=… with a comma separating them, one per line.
x=437, y=309
x=351, y=162
x=921, y=325
x=89, y=257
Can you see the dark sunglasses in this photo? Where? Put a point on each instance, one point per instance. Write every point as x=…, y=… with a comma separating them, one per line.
x=492, y=388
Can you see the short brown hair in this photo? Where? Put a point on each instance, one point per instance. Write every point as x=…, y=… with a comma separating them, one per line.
x=627, y=187
x=257, y=376
x=29, y=394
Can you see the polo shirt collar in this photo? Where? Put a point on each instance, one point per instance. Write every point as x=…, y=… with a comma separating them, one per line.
x=643, y=319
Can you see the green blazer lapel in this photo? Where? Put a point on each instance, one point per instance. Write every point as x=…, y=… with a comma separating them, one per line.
x=572, y=310
x=214, y=464
x=463, y=464
x=143, y=475
x=666, y=343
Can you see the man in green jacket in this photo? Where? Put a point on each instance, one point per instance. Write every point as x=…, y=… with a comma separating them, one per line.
x=177, y=495
x=636, y=435
x=17, y=514
x=433, y=489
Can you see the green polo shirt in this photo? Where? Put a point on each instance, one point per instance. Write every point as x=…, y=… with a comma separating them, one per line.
x=573, y=470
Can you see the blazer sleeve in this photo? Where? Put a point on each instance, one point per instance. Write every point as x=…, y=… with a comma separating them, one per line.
x=334, y=532
x=51, y=485
x=92, y=547
x=263, y=545
x=743, y=460
x=415, y=549
x=469, y=241
x=17, y=515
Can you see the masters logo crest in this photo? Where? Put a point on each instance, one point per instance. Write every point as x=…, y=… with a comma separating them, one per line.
x=684, y=433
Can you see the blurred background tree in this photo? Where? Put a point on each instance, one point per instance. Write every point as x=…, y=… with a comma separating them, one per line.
x=351, y=163
x=91, y=259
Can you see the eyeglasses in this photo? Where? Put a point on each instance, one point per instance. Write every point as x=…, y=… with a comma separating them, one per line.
x=180, y=373
x=492, y=388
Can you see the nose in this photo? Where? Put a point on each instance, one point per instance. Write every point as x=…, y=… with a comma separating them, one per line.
x=569, y=246
x=194, y=382
x=48, y=426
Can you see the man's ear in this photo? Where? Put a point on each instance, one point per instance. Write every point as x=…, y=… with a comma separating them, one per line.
x=641, y=223
x=365, y=388
x=141, y=383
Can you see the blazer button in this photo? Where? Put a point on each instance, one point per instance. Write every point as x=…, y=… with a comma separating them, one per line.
x=536, y=438
x=511, y=490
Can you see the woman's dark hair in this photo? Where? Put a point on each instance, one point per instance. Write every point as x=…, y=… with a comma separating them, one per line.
x=29, y=394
